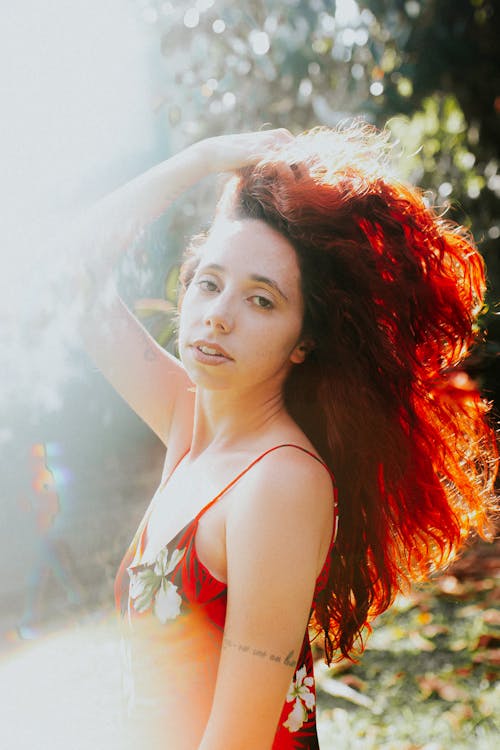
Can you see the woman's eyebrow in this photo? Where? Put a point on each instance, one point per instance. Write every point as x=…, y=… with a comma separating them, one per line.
x=269, y=282
x=254, y=277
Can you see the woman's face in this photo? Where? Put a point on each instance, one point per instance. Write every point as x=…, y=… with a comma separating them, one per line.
x=242, y=313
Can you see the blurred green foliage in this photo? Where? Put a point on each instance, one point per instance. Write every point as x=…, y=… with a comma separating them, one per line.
x=430, y=68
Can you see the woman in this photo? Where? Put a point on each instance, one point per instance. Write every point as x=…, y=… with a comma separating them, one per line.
x=320, y=319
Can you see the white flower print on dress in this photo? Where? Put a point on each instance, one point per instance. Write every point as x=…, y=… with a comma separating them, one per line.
x=164, y=566
x=168, y=602
x=304, y=700
x=150, y=587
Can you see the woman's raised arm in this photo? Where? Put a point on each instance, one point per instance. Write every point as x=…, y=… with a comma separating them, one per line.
x=150, y=380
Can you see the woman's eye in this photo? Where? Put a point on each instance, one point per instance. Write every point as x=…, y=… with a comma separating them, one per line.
x=207, y=285
x=262, y=302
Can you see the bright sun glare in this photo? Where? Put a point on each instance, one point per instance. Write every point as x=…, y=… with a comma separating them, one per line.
x=76, y=108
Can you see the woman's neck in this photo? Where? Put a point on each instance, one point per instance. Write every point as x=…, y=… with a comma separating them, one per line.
x=227, y=420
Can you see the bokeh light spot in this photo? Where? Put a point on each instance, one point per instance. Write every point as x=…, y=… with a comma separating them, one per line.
x=494, y=183
x=305, y=88
x=404, y=87
x=327, y=23
x=218, y=26
x=259, y=42
x=412, y=9
x=320, y=46
x=347, y=13
x=228, y=100
x=466, y=159
x=361, y=37
x=191, y=18
x=445, y=189
x=376, y=88
x=455, y=121
x=475, y=184
x=357, y=71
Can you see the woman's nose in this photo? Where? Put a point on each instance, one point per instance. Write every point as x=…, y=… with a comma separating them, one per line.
x=218, y=316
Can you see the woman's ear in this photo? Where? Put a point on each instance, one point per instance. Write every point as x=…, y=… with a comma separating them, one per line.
x=301, y=351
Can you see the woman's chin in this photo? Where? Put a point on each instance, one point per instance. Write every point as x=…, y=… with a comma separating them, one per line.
x=201, y=374
x=206, y=380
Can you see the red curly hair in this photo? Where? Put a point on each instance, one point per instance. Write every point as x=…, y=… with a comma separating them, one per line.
x=391, y=293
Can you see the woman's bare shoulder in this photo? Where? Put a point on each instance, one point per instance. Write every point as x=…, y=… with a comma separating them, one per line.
x=288, y=480
x=284, y=508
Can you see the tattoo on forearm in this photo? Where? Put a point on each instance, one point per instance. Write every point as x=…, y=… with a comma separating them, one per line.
x=288, y=661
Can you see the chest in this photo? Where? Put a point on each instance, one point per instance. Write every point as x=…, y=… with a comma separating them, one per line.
x=182, y=500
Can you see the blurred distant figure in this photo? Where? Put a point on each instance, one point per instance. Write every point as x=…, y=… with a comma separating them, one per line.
x=42, y=503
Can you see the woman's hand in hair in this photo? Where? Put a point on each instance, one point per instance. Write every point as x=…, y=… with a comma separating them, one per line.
x=227, y=153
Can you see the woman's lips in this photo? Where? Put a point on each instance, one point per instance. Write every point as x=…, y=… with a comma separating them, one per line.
x=210, y=353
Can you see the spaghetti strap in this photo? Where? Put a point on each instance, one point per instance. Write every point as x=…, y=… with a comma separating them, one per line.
x=142, y=534
x=256, y=460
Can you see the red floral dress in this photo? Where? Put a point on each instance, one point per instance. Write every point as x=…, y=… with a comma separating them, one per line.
x=175, y=586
